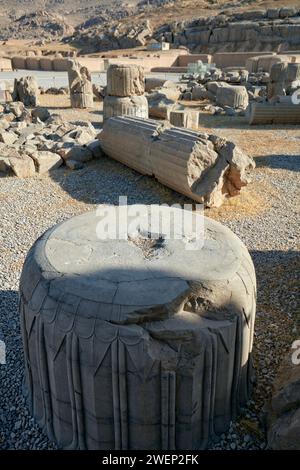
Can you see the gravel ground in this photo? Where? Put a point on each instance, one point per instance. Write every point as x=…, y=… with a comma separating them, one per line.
x=264, y=217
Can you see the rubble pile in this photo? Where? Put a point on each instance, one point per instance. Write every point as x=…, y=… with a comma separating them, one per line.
x=33, y=141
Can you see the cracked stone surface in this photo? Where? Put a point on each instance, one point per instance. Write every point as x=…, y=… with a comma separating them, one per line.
x=129, y=351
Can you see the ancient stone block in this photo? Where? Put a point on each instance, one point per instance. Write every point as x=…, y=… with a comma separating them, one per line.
x=160, y=106
x=233, y=96
x=26, y=90
x=181, y=118
x=283, y=411
x=45, y=161
x=202, y=167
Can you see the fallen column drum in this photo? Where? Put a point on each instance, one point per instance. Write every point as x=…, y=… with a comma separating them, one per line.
x=137, y=343
x=204, y=167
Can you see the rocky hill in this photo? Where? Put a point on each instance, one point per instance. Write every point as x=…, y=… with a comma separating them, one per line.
x=200, y=25
x=259, y=29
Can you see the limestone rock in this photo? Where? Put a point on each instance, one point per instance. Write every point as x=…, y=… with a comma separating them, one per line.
x=40, y=113
x=189, y=119
x=26, y=90
x=204, y=168
x=199, y=92
x=274, y=113
x=8, y=137
x=137, y=343
x=17, y=108
x=160, y=106
x=233, y=96
x=4, y=124
x=283, y=418
x=46, y=161
x=22, y=166
x=77, y=153
x=95, y=148
x=74, y=164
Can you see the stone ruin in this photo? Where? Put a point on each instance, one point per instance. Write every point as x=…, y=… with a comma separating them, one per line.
x=125, y=92
x=280, y=108
x=80, y=84
x=145, y=344
x=206, y=168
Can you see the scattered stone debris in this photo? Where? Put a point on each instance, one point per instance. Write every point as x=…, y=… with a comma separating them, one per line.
x=37, y=142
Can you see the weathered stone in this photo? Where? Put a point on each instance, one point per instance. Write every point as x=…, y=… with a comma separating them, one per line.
x=40, y=113
x=144, y=343
x=17, y=125
x=128, y=106
x=26, y=90
x=81, y=136
x=4, y=124
x=45, y=161
x=184, y=118
x=205, y=170
x=199, y=92
x=283, y=417
x=80, y=84
x=95, y=148
x=160, y=106
x=125, y=80
x=274, y=113
x=4, y=165
x=8, y=137
x=74, y=164
x=153, y=83
x=22, y=166
x=17, y=108
x=77, y=153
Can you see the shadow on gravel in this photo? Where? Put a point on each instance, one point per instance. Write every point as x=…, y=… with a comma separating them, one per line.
x=280, y=162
